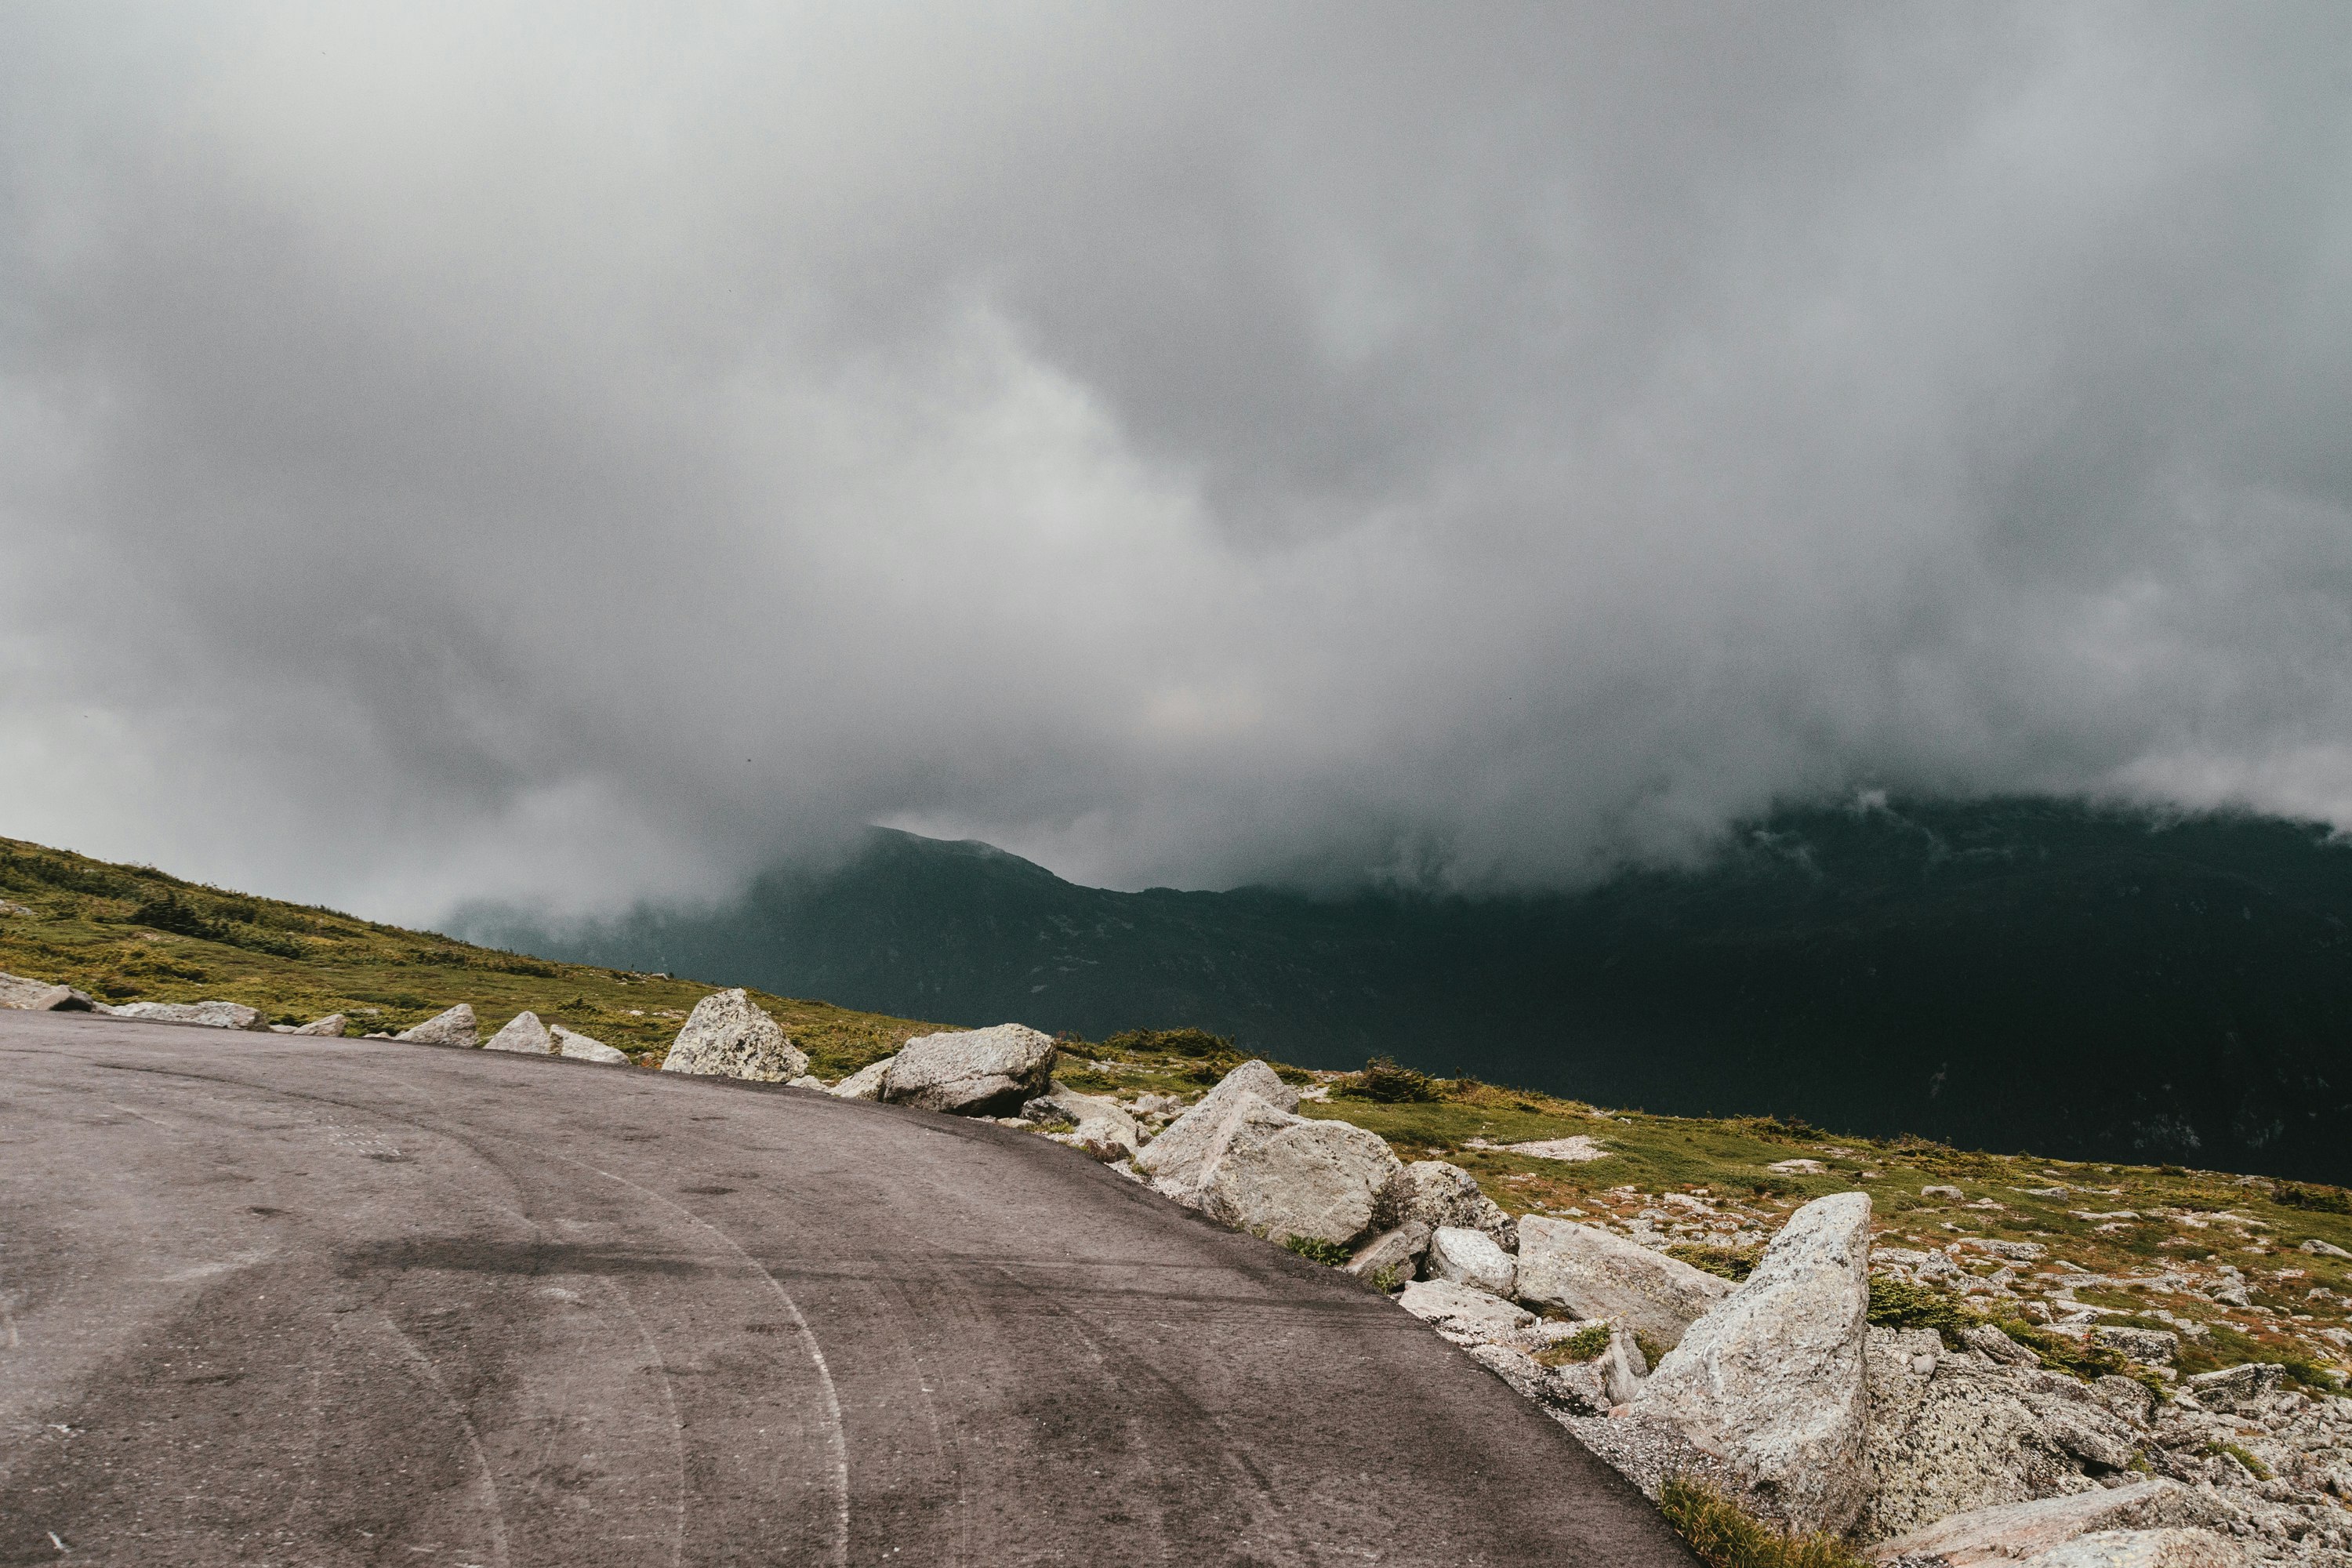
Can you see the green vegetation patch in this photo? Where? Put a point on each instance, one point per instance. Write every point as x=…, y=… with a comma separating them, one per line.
x=1726, y=1535
x=1583, y=1345
x=1331, y=1253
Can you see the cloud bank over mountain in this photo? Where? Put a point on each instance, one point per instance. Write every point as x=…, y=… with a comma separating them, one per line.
x=587, y=452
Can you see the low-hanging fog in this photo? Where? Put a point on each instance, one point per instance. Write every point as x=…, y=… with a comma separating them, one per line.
x=577, y=452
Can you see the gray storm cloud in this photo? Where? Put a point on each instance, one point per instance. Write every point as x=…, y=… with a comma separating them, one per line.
x=577, y=452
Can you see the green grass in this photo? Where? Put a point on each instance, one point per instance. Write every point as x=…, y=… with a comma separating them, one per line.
x=1331, y=1253
x=1726, y=1536
x=1581, y=1345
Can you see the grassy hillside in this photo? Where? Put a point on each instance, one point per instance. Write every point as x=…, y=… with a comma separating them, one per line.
x=2147, y=1243
x=127, y=933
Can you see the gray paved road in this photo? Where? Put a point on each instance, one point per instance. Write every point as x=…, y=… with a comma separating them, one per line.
x=277, y=1300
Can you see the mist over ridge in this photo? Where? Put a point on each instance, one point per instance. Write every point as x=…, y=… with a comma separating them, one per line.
x=2016, y=973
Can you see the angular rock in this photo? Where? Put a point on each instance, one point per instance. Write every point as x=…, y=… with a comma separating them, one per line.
x=867, y=1082
x=1595, y=1273
x=331, y=1026
x=2142, y=1549
x=1393, y=1253
x=211, y=1014
x=523, y=1034
x=2233, y=1386
x=2021, y=1531
x=729, y=1036
x=40, y=996
x=1471, y=1257
x=454, y=1027
x=807, y=1080
x=587, y=1049
x=1987, y=1339
x=1282, y=1176
x=1438, y=1194
x=1621, y=1366
x=971, y=1072
x=1771, y=1381
x=1460, y=1312
x=1178, y=1160
x=1097, y=1122
x=2152, y=1347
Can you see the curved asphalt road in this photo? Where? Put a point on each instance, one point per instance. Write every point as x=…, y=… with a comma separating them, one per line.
x=267, y=1299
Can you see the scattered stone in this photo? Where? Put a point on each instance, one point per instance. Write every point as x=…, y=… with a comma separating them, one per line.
x=211, y=1014
x=807, y=1080
x=20, y=994
x=1459, y=1312
x=8, y=909
x=1471, y=1257
x=1439, y=1194
x=1771, y=1381
x=454, y=1027
x=1096, y=1123
x=1575, y=1150
x=971, y=1072
x=582, y=1048
x=331, y=1026
x=1621, y=1366
x=1799, y=1167
x=2236, y=1385
x=867, y=1082
x=524, y=1034
x=1393, y=1253
x=1595, y=1273
x=1952, y=1193
x=2319, y=1248
x=2025, y=1530
x=729, y=1036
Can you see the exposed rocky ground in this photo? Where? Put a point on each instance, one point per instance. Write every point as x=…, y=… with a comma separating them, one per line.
x=1938, y=1357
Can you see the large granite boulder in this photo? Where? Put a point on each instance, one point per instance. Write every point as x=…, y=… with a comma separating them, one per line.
x=972, y=1072
x=524, y=1034
x=454, y=1027
x=1178, y=1161
x=1283, y=1176
x=582, y=1048
x=39, y=996
x=1470, y=1257
x=1439, y=1194
x=1948, y=1434
x=1596, y=1273
x=1771, y=1381
x=211, y=1014
x=867, y=1083
x=729, y=1036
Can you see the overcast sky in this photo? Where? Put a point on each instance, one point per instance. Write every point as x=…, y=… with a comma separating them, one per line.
x=578, y=452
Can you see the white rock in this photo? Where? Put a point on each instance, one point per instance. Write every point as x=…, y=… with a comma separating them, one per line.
x=1438, y=1194
x=2151, y=1346
x=807, y=1081
x=1178, y=1160
x=1099, y=1124
x=1394, y=1253
x=729, y=1036
x=1471, y=1257
x=331, y=1026
x=454, y=1027
x=867, y=1082
x=1595, y=1273
x=1282, y=1176
x=971, y=1072
x=1459, y=1310
x=40, y=996
x=1949, y=1434
x=2142, y=1549
x=211, y=1014
x=1621, y=1366
x=2022, y=1530
x=587, y=1049
x=524, y=1034
x=2319, y=1248
x=1989, y=1340
x=1771, y=1381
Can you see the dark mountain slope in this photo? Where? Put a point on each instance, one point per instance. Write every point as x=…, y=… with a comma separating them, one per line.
x=2003, y=974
